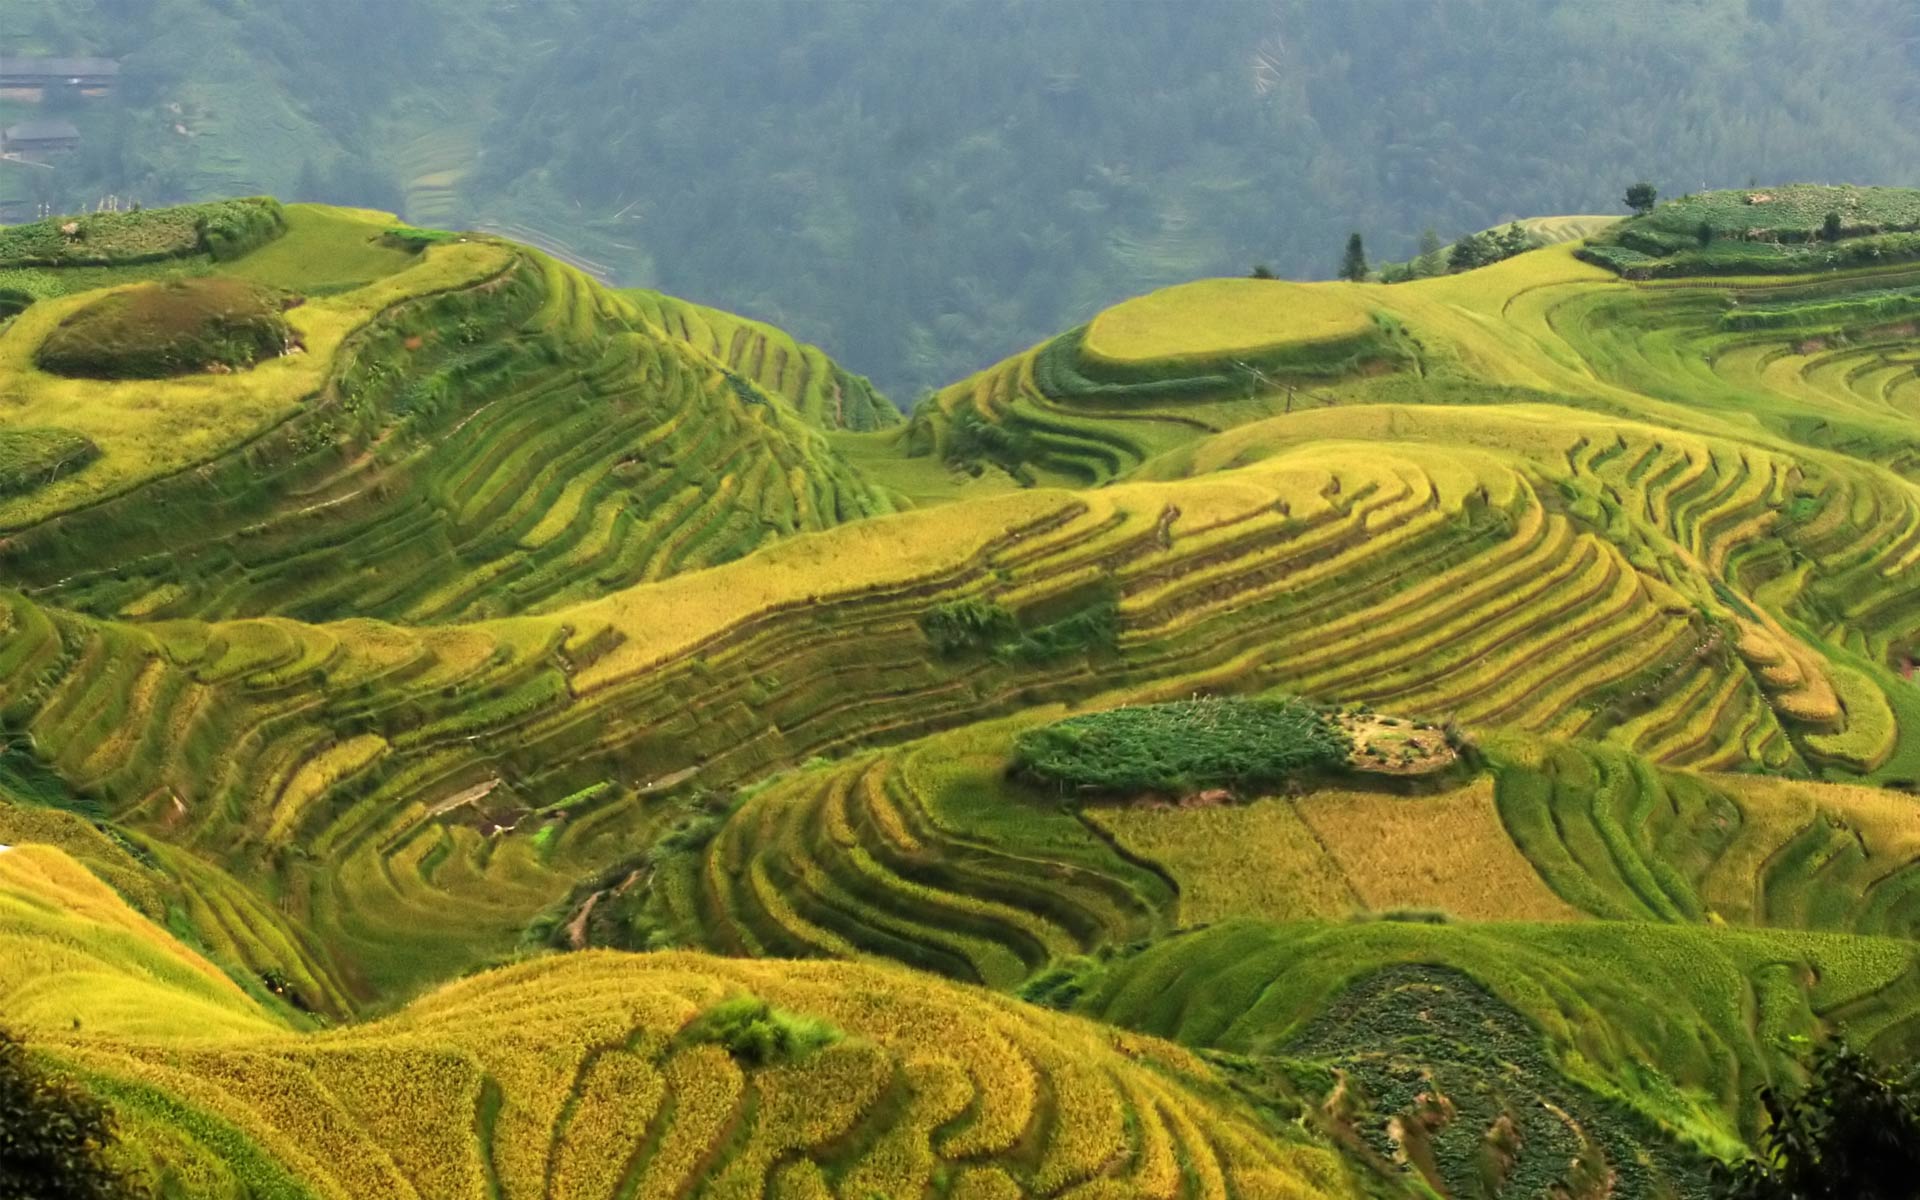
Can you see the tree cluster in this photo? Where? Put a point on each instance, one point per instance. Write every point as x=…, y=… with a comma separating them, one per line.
x=1474, y=250
x=1484, y=249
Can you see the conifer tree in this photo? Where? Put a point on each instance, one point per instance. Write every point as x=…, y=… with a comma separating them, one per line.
x=1353, y=264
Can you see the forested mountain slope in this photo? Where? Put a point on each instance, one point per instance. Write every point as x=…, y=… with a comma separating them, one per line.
x=922, y=188
x=1470, y=719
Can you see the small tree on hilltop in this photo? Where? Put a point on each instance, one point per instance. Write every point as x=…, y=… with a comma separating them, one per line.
x=1261, y=271
x=1353, y=264
x=1641, y=197
x=1853, y=1133
x=53, y=1136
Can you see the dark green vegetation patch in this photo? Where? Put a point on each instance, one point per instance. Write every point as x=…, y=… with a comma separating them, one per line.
x=1788, y=230
x=972, y=625
x=1183, y=746
x=1436, y=1070
x=414, y=239
x=757, y=1034
x=30, y=459
x=225, y=229
x=157, y=330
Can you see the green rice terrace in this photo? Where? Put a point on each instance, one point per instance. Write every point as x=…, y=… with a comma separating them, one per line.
x=469, y=732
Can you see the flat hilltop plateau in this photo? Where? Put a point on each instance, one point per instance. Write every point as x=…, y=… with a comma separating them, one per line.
x=471, y=733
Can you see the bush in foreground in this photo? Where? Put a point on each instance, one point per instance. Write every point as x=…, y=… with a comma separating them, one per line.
x=54, y=1137
x=1853, y=1133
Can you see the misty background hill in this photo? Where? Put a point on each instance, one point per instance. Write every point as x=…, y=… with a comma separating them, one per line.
x=924, y=187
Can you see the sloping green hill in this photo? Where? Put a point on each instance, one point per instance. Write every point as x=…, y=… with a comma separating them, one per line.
x=477, y=422
x=500, y=615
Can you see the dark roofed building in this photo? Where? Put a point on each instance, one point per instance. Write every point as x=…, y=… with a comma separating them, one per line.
x=18, y=72
x=41, y=137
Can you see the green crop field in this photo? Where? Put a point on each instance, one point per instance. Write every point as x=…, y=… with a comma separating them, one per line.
x=521, y=738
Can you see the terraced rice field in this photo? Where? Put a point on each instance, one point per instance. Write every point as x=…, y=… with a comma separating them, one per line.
x=1713, y=1007
x=520, y=615
x=591, y=1075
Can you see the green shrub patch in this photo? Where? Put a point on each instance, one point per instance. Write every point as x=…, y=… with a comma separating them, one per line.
x=1184, y=746
x=157, y=330
x=758, y=1035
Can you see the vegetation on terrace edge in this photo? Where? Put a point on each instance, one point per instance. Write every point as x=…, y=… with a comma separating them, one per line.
x=32, y=458
x=57, y=1137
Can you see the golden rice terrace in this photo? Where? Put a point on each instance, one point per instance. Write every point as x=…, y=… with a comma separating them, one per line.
x=467, y=732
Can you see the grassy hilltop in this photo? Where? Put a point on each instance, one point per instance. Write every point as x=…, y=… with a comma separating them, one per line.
x=1279, y=739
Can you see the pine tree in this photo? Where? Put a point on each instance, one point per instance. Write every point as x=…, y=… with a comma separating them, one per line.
x=1353, y=264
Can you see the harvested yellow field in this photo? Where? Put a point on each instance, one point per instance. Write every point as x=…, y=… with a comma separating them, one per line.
x=1214, y=318
x=1236, y=860
x=1447, y=851
x=1336, y=851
